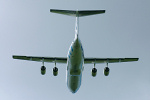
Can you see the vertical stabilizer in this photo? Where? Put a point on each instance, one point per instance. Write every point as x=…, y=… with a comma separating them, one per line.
x=77, y=25
x=77, y=14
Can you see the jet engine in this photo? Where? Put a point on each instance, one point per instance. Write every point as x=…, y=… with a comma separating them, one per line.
x=106, y=71
x=94, y=72
x=55, y=71
x=43, y=70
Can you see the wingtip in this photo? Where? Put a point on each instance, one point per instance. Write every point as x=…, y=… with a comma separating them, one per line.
x=52, y=10
x=13, y=56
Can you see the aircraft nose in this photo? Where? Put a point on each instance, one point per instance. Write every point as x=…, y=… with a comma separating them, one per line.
x=73, y=90
x=73, y=87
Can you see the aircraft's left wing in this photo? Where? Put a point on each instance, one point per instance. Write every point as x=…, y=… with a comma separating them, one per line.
x=108, y=60
x=41, y=59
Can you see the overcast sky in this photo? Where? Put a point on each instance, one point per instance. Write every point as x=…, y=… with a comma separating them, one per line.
x=28, y=28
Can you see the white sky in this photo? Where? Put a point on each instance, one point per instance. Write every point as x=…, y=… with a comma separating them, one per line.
x=28, y=28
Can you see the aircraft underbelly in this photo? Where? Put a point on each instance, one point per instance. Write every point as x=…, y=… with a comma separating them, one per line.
x=75, y=64
x=74, y=76
x=74, y=83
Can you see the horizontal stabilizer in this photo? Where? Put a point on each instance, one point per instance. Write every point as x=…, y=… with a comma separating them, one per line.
x=77, y=13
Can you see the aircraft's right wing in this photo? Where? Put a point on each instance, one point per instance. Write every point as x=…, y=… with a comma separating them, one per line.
x=108, y=60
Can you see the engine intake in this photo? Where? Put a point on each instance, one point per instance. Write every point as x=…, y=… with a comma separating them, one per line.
x=55, y=71
x=94, y=72
x=106, y=71
x=43, y=70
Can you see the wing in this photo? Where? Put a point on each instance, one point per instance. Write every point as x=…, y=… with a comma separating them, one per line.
x=64, y=60
x=41, y=59
x=108, y=60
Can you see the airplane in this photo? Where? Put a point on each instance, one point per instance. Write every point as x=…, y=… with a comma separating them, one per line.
x=75, y=59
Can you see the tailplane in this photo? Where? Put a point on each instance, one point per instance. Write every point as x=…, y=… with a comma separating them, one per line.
x=77, y=13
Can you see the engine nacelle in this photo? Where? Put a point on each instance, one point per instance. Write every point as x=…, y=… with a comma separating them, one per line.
x=43, y=70
x=106, y=71
x=55, y=71
x=94, y=72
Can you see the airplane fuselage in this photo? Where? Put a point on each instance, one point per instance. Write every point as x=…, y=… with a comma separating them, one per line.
x=75, y=61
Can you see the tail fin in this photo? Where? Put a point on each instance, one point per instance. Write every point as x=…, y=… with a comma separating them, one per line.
x=77, y=13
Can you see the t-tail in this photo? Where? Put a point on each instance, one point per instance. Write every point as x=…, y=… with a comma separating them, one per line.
x=77, y=14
